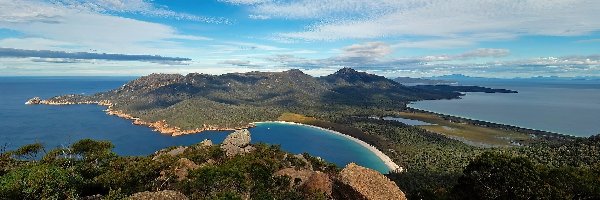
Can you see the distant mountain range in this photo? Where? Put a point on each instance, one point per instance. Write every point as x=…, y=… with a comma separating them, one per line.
x=460, y=78
x=422, y=81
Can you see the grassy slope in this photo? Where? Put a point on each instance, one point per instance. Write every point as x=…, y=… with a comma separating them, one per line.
x=469, y=133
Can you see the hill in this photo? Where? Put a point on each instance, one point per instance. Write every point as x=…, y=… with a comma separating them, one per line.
x=177, y=104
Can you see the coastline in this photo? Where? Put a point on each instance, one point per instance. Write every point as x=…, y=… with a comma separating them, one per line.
x=159, y=126
x=393, y=167
x=164, y=128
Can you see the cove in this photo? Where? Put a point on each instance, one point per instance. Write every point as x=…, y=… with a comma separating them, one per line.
x=58, y=126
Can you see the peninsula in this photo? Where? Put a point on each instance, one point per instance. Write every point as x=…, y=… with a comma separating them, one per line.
x=176, y=105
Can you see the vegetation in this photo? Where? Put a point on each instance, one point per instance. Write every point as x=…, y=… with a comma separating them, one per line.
x=521, y=164
x=469, y=133
x=89, y=168
x=438, y=167
x=237, y=99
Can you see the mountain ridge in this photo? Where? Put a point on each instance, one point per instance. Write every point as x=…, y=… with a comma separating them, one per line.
x=181, y=104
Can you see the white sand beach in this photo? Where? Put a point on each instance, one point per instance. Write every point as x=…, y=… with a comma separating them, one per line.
x=387, y=160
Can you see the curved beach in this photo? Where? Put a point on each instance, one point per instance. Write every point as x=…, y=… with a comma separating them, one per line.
x=393, y=167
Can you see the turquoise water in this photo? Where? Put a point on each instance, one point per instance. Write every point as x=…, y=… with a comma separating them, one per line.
x=56, y=126
x=566, y=109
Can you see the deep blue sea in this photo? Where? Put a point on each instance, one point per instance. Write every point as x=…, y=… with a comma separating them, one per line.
x=56, y=126
x=566, y=108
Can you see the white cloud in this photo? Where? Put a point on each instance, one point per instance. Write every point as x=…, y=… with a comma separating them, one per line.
x=376, y=55
x=65, y=28
x=245, y=2
x=369, y=49
x=143, y=7
x=357, y=19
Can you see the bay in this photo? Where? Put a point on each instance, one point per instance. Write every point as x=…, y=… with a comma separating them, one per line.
x=57, y=126
x=572, y=109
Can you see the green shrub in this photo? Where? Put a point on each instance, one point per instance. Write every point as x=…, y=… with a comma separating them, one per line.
x=39, y=182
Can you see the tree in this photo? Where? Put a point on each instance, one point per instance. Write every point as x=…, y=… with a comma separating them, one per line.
x=498, y=176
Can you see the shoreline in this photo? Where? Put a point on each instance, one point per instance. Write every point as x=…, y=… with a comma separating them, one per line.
x=160, y=126
x=392, y=166
x=500, y=125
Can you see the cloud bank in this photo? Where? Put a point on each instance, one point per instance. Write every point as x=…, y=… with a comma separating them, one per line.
x=74, y=57
x=444, y=19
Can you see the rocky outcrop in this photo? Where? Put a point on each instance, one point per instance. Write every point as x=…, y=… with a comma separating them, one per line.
x=308, y=180
x=237, y=143
x=160, y=195
x=368, y=184
x=184, y=166
x=173, y=152
x=298, y=176
x=319, y=181
x=34, y=100
x=206, y=143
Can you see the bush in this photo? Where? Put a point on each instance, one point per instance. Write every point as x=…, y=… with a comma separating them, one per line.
x=39, y=182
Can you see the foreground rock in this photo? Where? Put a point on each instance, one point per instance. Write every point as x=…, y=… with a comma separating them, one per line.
x=368, y=184
x=160, y=195
x=309, y=180
x=237, y=143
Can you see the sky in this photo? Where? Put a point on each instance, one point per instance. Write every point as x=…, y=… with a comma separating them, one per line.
x=393, y=38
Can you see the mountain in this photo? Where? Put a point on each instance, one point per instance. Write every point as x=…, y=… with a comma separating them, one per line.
x=421, y=81
x=464, y=79
x=178, y=104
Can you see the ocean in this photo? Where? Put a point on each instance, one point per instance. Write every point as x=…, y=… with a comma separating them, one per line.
x=572, y=109
x=57, y=126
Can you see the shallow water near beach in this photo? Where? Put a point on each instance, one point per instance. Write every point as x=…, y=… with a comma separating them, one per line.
x=56, y=126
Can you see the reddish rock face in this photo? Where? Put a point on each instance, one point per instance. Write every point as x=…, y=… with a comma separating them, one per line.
x=369, y=184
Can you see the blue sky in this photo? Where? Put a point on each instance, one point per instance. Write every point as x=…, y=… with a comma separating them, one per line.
x=416, y=38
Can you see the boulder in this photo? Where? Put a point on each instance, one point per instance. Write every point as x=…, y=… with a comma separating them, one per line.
x=206, y=143
x=184, y=165
x=319, y=181
x=367, y=184
x=173, y=152
x=160, y=195
x=237, y=142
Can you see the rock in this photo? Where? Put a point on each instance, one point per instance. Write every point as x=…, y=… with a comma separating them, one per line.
x=34, y=100
x=303, y=159
x=298, y=177
x=184, y=166
x=177, y=151
x=206, y=143
x=237, y=143
x=369, y=184
x=174, y=152
x=160, y=195
x=319, y=181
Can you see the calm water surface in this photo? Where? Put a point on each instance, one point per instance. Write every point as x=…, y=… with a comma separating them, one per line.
x=561, y=108
x=62, y=125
